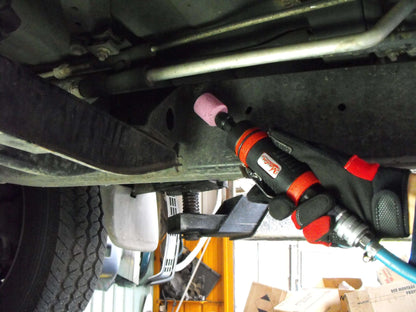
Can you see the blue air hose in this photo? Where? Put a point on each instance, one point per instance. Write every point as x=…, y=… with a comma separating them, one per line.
x=357, y=234
x=396, y=264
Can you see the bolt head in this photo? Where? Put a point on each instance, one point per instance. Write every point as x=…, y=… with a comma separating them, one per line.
x=102, y=54
x=77, y=49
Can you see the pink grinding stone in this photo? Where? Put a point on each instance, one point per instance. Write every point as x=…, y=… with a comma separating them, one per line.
x=207, y=106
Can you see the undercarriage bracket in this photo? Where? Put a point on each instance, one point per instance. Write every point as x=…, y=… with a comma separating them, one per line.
x=237, y=218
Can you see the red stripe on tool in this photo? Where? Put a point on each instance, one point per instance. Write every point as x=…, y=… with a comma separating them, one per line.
x=249, y=143
x=243, y=137
x=361, y=169
x=300, y=185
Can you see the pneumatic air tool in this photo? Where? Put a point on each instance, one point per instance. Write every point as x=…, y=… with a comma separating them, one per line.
x=277, y=172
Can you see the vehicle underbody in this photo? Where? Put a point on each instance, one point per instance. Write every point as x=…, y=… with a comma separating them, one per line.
x=137, y=68
x=101, y=93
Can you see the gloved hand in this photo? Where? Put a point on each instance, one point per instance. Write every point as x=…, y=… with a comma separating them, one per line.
x=377, y=195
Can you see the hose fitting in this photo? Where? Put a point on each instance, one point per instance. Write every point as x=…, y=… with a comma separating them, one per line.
x=352, y=230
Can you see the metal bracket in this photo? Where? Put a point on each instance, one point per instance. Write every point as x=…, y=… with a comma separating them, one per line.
x=264, y=188
x=172, y=244
x=237, y=218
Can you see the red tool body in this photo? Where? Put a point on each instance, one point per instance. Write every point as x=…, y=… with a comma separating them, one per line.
x=281, y=172
x=276, y=168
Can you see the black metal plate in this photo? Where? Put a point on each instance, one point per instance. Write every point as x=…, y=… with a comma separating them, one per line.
x=367, y=110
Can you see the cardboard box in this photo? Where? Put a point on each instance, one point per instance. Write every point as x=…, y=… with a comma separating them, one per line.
x=387, y=276
x=339, y=283
x=312, y=300
x=399, y=296
x=325, y=298
x=263, y=298
x=356, y=283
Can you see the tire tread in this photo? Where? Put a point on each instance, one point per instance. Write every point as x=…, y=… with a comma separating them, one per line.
x=79, y=252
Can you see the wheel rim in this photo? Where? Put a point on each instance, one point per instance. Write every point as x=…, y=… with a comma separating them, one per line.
x=11, y=227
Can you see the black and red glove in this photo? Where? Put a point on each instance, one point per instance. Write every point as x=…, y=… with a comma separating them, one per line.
x=377, y=195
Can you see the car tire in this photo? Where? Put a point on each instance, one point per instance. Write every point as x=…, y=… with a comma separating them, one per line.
x=61, y=249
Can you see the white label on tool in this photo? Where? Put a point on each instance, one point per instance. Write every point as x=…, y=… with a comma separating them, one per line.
x=269, y=165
